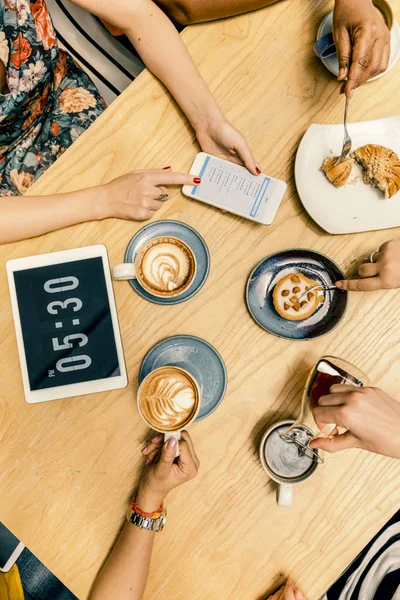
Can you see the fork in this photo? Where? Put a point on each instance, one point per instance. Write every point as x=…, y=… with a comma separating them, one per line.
x=316, y=287
x=347, y=139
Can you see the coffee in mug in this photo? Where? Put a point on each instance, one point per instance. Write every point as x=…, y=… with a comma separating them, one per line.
x=169, y=399
x=164, y=267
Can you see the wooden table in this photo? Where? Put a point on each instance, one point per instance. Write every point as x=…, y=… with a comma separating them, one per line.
x=67, y=468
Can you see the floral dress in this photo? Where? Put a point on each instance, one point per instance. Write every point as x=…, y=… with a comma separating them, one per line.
x=49, y=102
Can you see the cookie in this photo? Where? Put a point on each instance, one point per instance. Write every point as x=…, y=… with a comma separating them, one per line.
x=381, y=167
x=287, y=293
x=337, y=174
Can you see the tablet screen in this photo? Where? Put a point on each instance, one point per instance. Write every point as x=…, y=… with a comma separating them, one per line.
x=8, y=544
x=66, y=323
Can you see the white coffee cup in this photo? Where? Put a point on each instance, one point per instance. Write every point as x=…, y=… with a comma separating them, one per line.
x=157, y=375
x=284, y=492
x=162, y=269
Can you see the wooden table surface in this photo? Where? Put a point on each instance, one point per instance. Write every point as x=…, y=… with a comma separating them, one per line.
x=67, y=468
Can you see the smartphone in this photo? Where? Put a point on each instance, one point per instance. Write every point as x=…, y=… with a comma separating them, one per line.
x=10, y=548
x=232, y=188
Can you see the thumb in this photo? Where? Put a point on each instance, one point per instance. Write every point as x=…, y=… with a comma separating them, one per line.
x=343, y=441
x=343, y=50
x=167, y=458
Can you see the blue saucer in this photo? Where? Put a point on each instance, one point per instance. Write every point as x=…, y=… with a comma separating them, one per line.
x=315, y=266
x=197, y=357
x=183, y=232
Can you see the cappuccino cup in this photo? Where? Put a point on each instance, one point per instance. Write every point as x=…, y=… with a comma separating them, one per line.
x=169, y=400
x=282, y=460
x=165, y=267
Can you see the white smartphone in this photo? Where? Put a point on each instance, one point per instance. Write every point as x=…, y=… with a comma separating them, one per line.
x=232, y=188
x=10, y=549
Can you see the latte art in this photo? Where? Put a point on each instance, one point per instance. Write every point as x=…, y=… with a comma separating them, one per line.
x=166, y=266
x=168, y=399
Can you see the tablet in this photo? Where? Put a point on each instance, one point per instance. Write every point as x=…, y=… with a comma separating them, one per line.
x=10, y=549
x=66, y=324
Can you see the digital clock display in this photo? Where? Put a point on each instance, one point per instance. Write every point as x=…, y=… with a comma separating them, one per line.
x=66, y=323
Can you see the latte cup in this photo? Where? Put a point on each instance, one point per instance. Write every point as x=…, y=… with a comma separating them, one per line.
x=282, y=463
x=165, y=267
x=169, y=401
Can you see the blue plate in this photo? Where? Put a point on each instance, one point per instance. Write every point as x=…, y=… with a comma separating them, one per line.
x=197, y=357
x=315, y=266
x=183, y=232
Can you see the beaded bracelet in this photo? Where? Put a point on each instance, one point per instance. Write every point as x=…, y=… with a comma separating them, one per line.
x=142, y=513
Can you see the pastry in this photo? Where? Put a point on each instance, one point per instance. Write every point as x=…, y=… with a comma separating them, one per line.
x=381, y=167
x=287, y=293
x=337, y=174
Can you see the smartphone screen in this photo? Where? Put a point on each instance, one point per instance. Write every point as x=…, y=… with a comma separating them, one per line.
x=8, y=544
x=232, y=187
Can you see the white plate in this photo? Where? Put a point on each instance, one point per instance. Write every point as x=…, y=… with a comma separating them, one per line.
x=356, y=206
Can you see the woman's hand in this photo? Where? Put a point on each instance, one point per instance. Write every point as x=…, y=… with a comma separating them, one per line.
x=371, y=417
x=221, y=139
x=362, y=40
x=161, y=476
x=139, y=195
x=288, y=592
x=382, y=274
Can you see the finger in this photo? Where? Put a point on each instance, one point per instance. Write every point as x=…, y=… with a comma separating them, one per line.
x=155, y=444
x=376, y=256
x=368, y=270
x=362, y=48
x=344, y=441
x=246, y=157
x=167, y=458
x=386, y=57
x=326, y=415
x=288, y=592
x=159, y=193
x=166, y=178
x=375, y=61
x=189, y=441
x=343, y=48
x=337, y=396
x=278, y=594
x=186, y=461
x=360, y=285
x=153, y=205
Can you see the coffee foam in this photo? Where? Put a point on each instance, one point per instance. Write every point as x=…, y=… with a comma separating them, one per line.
x=283, y=457
x=166, y=265
x=168, y=399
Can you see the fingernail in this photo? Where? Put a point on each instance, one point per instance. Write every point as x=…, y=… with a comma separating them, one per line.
x=339, y=284
x=197, y=180
x=341, y=74
x=172, y=443
x=148, y=461
x=258, y=171
x=157, y=438
x=165, y=168
x=145, y=449
x=298, y=594
x=351, y=93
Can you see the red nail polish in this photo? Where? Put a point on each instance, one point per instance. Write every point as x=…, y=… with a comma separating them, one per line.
x=197, y=180
x=165, y=168
x=258, y=171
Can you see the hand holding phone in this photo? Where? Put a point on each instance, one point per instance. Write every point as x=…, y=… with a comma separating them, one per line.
x=233, y=188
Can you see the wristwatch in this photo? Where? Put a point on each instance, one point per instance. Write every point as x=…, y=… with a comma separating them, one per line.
x=150, y=524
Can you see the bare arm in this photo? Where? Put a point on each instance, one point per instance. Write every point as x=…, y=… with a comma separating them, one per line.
x=164, y=53
x=134, y=196
x=24, y=217
x=187, y=12
x=124, y=574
